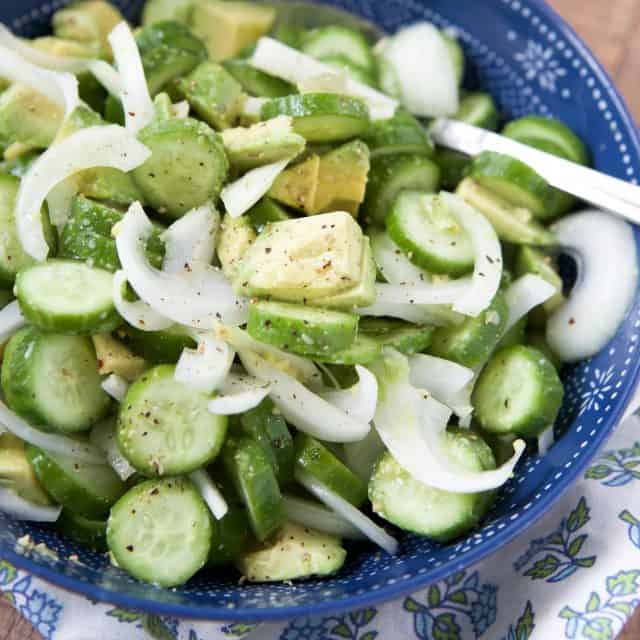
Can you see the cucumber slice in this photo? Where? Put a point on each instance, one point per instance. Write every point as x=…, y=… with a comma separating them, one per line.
x=268, y=428
x=536, y=130
x=441, y=515
x=453, y=167
x=52, y=381
x=157, y=347
x=160, y=532
x=402, y=336
x=88, y=490
x=49, y=298
x=512, y=224
x=363, y=350
x=515, y=335
x=342, y=63
x=471, y=342
x=340, y=40
x=256, y=82
x=538, y=340
x=400, y=134
x=392, y=174
x=295, y=553
x=478, y=109
x=423, y=227
x=321, y=117
x=519, y=392
x=456, y=53
x=304, y=330
x=165, y=428
x=256, y=484
x=316, y=459
x=231, y=535
x=264, y=212
x=89, y=533
x=514, y=182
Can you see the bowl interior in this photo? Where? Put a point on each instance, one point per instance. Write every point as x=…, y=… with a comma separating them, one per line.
x=532, y=63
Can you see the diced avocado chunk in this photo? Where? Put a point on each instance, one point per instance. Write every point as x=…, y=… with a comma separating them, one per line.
x=91, y=22
x=215, y=95
x=228, y=27
x=27, y=116
x=297, y=186
x=63, y=47
x=160, y=10
x=235, y=237
x=296, y=552
x=16, y=472
x=304, y=259
x=263, y=143
x=114, y=357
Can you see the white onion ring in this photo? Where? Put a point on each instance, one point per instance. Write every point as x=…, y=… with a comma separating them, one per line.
x=138, y=314
x=20, y=509
x=107, y=76
x=238, y=394
x=318, y=517
x=11, y=320
x=210, y=493
x=359, y=401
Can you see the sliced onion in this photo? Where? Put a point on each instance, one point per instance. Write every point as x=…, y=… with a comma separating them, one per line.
x=48, y=441
x=393, y=263
x=546, y=440
x=11, y=320
x=181, y=109
x=241, y=195
x=351, y=514
x=103, y=437
x=304, y=409
x=438, y=315
x=210, y=493
x=253, y=107
x=525, y=294
x=20, y=509
x=316, y=516
x=135, y=97
x=138, y=314
x=196, y=299
x=359, y=401
x=238, y=394
x=437, y=293
x=488, y=256
x=107, y=76
x=60, y=202
x=422, y=71
x=116, y=386
x=190, y=242
x=287, y=63
x=605, y=252
x=361, y=456
x=104, y=146
x=205, y=368
x=412, y=429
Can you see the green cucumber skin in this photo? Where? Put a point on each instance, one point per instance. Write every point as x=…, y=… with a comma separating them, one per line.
x=316, y=459
x=493, y=400
x=479, y=110
x=231, y=536
x=457, y=55
x=269, y=429
x=454, y=167
x=340, y=40
x=406, y=338
x=343, y=64
x=154, y=440
x=400, y=134
x=266, y=211
x=471, y=342
x=156, y=347
x=326, y=332
x=187, y=168
x=65, y=491
x=321, y=117
x=19, y=374
x=256, y=82
x=103, y=320
x=167, y=518
x=392, y=174
x=89, y=533
x=255, y=482
x=363, y=350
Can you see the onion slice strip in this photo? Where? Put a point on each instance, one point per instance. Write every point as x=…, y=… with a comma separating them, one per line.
x=116, y=386
x=196, y=299
x=138, y=314
x=48, y=441
x=318, y=517
x=304, y=409
x=350, y=513
x=210, y=493
x=393, y=263
x=20, y=509
x=546, y=440
x=103, y=146
x=135, y=97
x=525, y=294
x=103, y=437
x=239, y=196
x=359, y=401
x=107, y=76
x=238, y=394
x=11, y=320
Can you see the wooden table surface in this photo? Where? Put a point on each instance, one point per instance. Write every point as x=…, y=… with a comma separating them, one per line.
x=608, y=27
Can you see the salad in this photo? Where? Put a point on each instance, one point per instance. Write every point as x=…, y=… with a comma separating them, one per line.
x=250, y=312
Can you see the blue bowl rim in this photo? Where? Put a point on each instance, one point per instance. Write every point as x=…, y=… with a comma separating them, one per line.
x=405, y=587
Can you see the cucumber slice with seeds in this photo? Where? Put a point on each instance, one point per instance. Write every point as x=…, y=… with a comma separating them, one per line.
x=321, y=117
x=478, y=109
x=303, y=330
x=160, y=531
x=422, y=226
x=52, y=381
x=49, y=298
x=519, y=392
x=165, y=427
x=402, y=336
x=339, y=40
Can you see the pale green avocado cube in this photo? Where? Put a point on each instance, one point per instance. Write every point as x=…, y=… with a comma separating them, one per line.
x=234, y=239
x=16, y=472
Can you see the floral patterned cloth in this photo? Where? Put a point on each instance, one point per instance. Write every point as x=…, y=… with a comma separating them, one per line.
x=575, y=575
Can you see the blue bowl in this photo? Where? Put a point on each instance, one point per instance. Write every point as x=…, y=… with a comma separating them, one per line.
x=532, y=62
